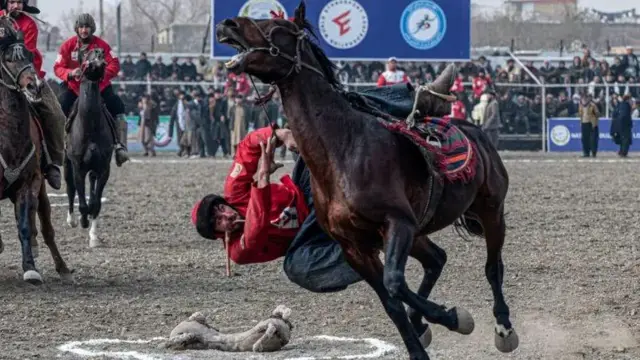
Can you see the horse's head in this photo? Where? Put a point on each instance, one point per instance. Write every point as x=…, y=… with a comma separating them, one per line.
x=93, y=65
x=435, y=99
x=270, y=49
x=16, y=62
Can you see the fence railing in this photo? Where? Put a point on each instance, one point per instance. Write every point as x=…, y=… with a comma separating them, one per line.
x=531, y=96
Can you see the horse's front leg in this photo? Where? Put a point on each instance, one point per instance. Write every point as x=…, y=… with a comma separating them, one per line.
x=370, y=268
x=95, y=204
x=69, y=179
x=79, y=179
x=400, y=232
x=25, y=207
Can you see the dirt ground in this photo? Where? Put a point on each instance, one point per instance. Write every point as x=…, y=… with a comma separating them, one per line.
x=571, y=256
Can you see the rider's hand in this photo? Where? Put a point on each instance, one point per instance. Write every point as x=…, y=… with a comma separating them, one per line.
x=267, y=165
x=285, y=136
x=76, y=73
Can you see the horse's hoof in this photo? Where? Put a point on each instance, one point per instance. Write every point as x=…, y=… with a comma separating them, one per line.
x=67, y=278
x=72, y=221
x=84, y=223
x=35, y=251
x=32, y=277
x=94, y=241
x=506, y=340
x=426, y=337
x=465, y=321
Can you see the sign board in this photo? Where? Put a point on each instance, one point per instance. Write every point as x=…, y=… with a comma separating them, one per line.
x=367, y=30
x=564, y=135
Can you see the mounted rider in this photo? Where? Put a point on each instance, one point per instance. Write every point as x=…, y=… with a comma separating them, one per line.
x=48, y=110
x=68, y=69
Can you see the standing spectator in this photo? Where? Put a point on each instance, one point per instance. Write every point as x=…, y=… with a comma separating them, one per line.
x=458, y=109
x=589, y=116
x=128, y=68
x=392, y=75
x=629, y=63
x=622, y=125
x=203, y=67
x=492, y=119
x=189, y=69
x=239, y=118
x=479, y=85
x=148, y=124
x=159, y=70
x=221, y=130
x=174, y=69
x=179, y=117
x=143, y=67
x=203, y=132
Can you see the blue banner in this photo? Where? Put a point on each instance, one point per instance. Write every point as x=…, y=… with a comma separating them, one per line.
x=367, y=30
x=564, y=135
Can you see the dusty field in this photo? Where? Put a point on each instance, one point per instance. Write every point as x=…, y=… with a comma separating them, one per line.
x=572, y=274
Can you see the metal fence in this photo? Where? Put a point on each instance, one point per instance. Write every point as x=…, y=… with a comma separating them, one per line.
x=524, y=106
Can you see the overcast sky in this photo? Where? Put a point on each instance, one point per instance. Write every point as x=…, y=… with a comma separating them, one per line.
x=52, y=9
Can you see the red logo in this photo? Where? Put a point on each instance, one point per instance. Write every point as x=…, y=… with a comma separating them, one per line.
x=343, y=21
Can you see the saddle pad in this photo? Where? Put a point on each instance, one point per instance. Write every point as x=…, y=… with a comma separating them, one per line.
x=442, y=143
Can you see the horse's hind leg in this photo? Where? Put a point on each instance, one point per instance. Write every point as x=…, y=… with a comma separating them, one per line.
x=433, y=258
x=25, y=207
x=400, y=241
x=95, y=204
x=71, y=192
x=371, y=269
x=506, y=339
x=48, y=233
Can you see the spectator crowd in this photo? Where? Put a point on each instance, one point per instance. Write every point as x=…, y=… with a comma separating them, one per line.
x=227, y=112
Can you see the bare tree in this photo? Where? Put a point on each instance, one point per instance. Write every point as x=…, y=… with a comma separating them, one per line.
x=166, y=12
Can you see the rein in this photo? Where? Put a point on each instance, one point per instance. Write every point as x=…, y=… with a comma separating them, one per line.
x=274, y=51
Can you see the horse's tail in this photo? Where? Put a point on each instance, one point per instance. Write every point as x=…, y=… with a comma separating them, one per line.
x=91, y=150
x=467, y=225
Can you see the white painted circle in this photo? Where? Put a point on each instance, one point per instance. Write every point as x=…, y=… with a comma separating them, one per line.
x=560, y=135
x=343, y=23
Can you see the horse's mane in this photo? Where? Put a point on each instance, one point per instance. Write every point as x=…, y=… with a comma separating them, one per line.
x=327, y=66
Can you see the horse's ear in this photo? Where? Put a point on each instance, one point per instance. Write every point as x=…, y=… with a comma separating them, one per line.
x=300, y=14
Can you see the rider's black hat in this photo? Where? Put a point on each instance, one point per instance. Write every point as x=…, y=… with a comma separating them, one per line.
x=26, y=8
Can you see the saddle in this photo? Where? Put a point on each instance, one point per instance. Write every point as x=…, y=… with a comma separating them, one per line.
x=74, y=112
x=447, y=151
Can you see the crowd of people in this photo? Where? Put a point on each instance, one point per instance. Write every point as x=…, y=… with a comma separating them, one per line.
x=518, y=96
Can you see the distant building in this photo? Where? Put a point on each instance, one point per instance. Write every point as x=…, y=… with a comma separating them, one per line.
x=551, y=10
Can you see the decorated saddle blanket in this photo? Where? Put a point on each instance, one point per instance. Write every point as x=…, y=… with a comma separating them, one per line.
x=443, y=144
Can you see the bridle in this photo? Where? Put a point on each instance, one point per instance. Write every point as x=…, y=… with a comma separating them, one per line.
x=84, y=66
x=18, y=49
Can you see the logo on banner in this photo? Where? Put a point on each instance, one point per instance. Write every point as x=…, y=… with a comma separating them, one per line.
x=560, y=135
x=423, y=24
x=261, y=9
x=343, y=23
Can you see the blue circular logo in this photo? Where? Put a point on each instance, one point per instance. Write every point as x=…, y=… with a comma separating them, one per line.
x=423, y=24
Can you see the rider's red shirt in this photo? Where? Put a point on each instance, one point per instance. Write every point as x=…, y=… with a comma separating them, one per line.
x=29, y=28
x=273, y=214
x=68, y=61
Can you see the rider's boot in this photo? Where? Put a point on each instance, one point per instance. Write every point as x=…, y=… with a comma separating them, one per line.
x=53, y=176
x=120, y=149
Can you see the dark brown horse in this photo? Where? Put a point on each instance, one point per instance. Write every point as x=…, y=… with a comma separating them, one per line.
x=371, y=186
x=21, y=178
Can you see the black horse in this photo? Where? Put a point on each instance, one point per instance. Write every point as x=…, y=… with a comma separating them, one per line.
x=21, y=178
x=89, y=146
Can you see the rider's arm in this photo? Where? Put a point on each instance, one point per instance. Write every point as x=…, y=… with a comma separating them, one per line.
x=113, y=64
x=62, y=66
x=382, y=81
x=237, y=188
x=31, y=42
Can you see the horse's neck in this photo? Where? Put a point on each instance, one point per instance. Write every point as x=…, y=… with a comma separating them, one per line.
x=319, y=118
x=89, y=106
x=15, y=123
